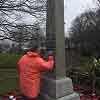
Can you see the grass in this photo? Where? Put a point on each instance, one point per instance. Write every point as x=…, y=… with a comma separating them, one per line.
x=8, y=60
x=8, y=86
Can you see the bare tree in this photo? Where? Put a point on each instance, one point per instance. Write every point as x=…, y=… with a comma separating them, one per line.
x=98, y=2
x=85, y=32
x=27, y=36
x=13, y=11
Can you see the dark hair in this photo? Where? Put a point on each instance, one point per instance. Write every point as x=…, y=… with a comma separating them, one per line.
x=34, y=48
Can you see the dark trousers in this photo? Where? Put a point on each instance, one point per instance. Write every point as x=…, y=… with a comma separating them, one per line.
x=27, y=98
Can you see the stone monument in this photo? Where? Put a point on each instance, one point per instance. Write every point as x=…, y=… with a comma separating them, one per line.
x=56, y=86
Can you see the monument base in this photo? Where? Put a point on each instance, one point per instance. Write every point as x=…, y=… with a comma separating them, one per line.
x=58, y=89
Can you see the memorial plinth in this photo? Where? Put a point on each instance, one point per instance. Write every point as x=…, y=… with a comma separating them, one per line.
x=55, y=85
x=59, y=89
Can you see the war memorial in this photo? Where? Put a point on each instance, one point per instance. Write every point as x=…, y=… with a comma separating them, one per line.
x=56, y=86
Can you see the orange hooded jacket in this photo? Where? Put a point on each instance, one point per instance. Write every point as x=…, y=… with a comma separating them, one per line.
x=30, y=66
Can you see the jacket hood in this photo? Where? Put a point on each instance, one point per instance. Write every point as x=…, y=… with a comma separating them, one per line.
x=32, y=54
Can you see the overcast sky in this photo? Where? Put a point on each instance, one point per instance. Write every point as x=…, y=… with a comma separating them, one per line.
x=74, y=8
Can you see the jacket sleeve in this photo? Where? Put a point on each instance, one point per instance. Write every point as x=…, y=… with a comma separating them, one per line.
x=46, y=65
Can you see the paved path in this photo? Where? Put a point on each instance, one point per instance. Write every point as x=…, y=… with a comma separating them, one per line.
x=8, y=69
x=8, y=78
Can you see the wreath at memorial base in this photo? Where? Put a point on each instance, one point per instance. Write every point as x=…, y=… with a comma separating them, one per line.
x=11, y=96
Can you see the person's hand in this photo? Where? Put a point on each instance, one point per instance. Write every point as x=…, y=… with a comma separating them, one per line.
x=50, y=53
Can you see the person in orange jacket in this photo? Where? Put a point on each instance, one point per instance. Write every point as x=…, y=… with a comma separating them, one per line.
x=30, y=67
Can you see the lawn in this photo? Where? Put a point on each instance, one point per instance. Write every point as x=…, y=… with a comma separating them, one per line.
x=8, y=60
x=8, y=86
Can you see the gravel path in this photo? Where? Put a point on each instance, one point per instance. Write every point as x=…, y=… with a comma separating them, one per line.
x=8, y=78
x=7, y=70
